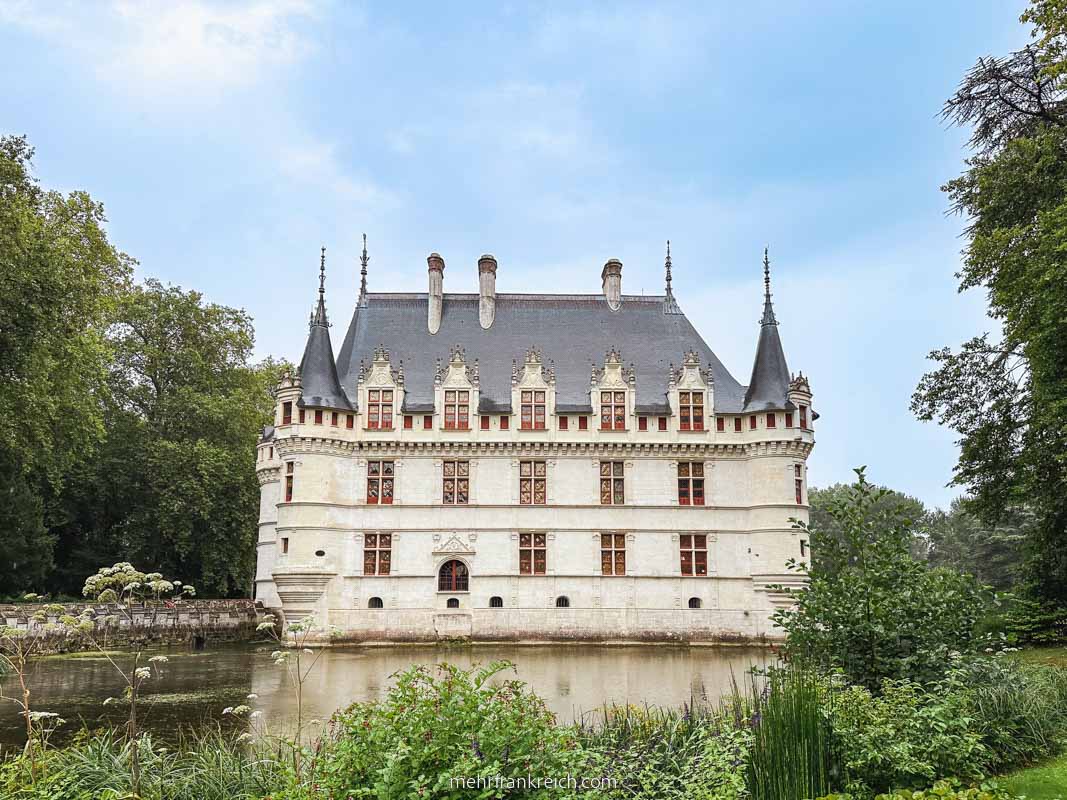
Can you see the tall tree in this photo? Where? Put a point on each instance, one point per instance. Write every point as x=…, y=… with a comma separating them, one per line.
x=992, y=553
x=61, y=283
x=1006, y=394
x=174, y=486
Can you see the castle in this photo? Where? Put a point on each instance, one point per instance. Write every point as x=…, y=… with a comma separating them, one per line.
x=532, y=467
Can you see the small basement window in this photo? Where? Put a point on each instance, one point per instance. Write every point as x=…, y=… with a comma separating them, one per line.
x=496, y=602
x=453, y=602
x=375, y=602
x=694, y=602
x=320, y=553
x=563, y=601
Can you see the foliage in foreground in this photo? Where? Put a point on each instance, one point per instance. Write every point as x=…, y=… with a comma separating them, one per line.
x=872, y=610
x=792, y=736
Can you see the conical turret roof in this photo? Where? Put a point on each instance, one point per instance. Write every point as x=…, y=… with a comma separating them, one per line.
x=768, y=389
x=318, y=370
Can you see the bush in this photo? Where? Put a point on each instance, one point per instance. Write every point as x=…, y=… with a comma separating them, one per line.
x=871, y=609
x=1019, y=710
x=665, y=754
x=951, y=789
x=1041, y=624
x=436, y=725
x=903, y=737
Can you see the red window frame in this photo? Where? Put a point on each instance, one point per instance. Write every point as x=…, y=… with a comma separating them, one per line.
x=693, y=550
x=533, y=553
x=690, y=483
x=583, y=423
x=798, y=483
x=456, y=484
x=453, y=577
x=427, y=422
x=737, y=424
x=287, y=413
x=318, y=416
x=789, y=419
x=350, y=421
x=532, y=410
x=772, y=421
x=720, y=424
x=612, y=483
x=457, y=409
x=613, y=554
x=613, y=411
x=484, y=422
x=379, y=409
x=335, y=419
x=504, y=423
x=301, y=417
x=409, y=422
x=642, y=423
x=381, y=482
x=289, y=476
x=377, y=553
x=533, y=483
x=662, y=423
x=691, y=411
x=564, y=423
x=804, y=418
x=752, y=422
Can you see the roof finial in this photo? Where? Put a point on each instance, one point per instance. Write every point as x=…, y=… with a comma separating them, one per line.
x=670, y=305
x=768, y=309
x=319, y=317
x=363, y=259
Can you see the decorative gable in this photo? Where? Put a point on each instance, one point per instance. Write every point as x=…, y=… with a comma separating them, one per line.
x=612, y=390
x=456, y=389
x=453, y=547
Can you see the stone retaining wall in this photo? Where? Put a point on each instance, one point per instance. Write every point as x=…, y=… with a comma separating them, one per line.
x=197, y=623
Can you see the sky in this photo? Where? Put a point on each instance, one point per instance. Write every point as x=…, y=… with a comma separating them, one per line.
x=229, y=141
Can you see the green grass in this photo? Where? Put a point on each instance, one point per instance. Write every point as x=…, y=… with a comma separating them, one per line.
x=1047, y=781
x=1053, y=656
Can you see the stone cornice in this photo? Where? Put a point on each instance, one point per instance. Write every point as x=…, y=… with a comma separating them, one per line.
x=267, y=475
x=307, y=445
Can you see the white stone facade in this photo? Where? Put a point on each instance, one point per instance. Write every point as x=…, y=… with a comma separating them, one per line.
x=750, y=498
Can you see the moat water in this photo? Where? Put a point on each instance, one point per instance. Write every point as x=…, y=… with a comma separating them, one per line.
x=195, y=687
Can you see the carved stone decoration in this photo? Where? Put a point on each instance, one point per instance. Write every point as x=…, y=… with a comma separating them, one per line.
x=457, y=373
x=454, y=547
x=614, y=375
x=381, y=372
x=534, y=372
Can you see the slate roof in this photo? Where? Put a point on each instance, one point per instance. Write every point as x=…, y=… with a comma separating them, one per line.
x=318, y=370
x=573, y=331
x=768, y=388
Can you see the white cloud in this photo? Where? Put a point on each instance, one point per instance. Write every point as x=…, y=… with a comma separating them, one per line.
x=170, y=48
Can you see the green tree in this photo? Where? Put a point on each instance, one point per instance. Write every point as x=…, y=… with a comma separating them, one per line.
x=871, y=609
x=174, y=485
x=992, y=553
x=62, y=280
x=890, y=501
x=1006, y=395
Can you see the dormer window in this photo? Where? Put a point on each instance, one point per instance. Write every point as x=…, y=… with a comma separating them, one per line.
x=532, y=410
x=457, y=410
x=613, y=411
x=380, y=409
x=691, y=411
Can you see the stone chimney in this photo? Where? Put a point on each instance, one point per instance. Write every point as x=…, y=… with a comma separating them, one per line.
x=611, y=278
x=436, y=266
x=486, y=291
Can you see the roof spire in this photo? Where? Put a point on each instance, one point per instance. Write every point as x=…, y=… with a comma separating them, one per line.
x=670, y=305
x=768, y=309
x=363, y=259
x=320, y=310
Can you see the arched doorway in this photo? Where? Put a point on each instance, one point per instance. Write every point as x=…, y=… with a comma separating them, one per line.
x=453, y=577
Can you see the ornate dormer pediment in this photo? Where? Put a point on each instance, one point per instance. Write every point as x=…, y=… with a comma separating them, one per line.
x=613, y=375
x=381, y=373
x=691, y=375
x=457, y=373
x=534, y=373
x=799, y=383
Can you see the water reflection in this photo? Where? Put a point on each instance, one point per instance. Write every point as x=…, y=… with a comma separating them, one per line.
x=195, y=687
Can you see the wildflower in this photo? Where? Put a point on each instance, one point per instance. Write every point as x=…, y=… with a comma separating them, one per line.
x=158, y=660
x=142, y=673
x=252, y=696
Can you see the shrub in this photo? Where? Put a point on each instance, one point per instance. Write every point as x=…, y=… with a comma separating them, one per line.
x=903, y=737
x=436, y=725
x=1042, y=624
x=952, y=789
x=871, y=609
x=666, y=754
x=1018, y=710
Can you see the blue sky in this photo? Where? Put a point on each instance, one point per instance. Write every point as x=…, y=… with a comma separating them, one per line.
x=228, y=141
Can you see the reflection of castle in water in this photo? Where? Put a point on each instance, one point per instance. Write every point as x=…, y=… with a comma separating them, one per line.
x=572, y=680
